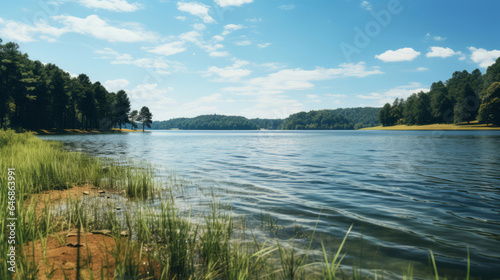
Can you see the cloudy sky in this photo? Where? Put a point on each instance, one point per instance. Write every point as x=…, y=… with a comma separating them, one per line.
x=257, y=58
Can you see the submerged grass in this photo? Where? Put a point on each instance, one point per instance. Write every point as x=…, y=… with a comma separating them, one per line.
x=150, y=242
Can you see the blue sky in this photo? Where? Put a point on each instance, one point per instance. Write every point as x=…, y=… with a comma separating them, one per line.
x=257, y=58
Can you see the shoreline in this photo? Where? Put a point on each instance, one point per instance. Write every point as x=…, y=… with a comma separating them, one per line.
x=81, y=131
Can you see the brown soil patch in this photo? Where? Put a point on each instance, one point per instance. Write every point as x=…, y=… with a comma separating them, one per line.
x=60, y=260
x=61, y=249
x=97, y=256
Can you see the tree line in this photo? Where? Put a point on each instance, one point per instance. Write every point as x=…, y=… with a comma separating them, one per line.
x=465, y=97
x=347, y=118
x=207, y=122
x=316, y=120
x=34, y=95
x=218, y=122
x=338, y=119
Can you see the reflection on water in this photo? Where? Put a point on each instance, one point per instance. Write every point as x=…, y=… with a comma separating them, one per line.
x=405, y=191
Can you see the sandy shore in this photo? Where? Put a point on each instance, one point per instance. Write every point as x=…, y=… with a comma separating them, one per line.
x=464, y=126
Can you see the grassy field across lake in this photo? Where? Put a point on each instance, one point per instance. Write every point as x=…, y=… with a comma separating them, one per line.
x=464, y=126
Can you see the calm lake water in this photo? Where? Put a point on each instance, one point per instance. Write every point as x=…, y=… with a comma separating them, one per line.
x=405, y=192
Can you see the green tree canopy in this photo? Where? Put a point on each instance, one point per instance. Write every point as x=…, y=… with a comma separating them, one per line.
x=145, y=117
x=133, y=118
x=490, y=108
x=385, y=115
x=121, y=108
x=313, y=120
x=34, y=95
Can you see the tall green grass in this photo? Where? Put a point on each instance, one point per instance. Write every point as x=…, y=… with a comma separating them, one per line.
x=161, y=242
x=42, y=166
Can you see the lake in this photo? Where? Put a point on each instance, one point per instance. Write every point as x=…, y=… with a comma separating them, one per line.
x=405, y=192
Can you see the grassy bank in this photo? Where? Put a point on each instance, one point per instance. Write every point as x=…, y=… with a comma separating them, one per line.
x=464, y=126
x=139, y=241
x=81, y=131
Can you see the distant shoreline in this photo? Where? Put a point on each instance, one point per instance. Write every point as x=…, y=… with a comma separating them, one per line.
x=471, y=126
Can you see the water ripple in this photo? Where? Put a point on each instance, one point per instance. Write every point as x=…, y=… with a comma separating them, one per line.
x=405, y=192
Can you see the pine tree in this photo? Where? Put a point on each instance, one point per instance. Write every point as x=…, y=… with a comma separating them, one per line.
x=145, y=117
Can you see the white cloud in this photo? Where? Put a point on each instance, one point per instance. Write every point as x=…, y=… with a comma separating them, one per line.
x=484, y=57
x=287, y=7
x=210, y=47
x=199, y=26
x=111, y=5
x=116, y=56
x=366, y=5
x=243, y=43
x=441, y=52
x=183, y=18
x=218, y=38
x=299, y=79
x=231, y=73
x=314, y=98
x=94, y=26
x=227, y=3
x=201, y=106
x=253, y=19
x=169, y=48
x=273, y=107
x=421, y=69
x=435, y=38
x=335, y=95
x=404, y=54
x=212, y=98
x=196, y=9
x=233, y=27
x=159, y=65
x=116, y=85
x=265, y=45
x=273, y=65
x=230, y=28
x=397, y=92
x=219, y=53
x=191, y=36
x=180, y=44
x=17, y=31
x=157, y=99
x=151, y=92
x=22, y=32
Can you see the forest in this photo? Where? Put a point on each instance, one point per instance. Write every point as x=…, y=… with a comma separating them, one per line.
x=218, y=122
x=347, y=118
x=322, y=119
x=34, y=95
x=207, y=122
x=465, y=97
